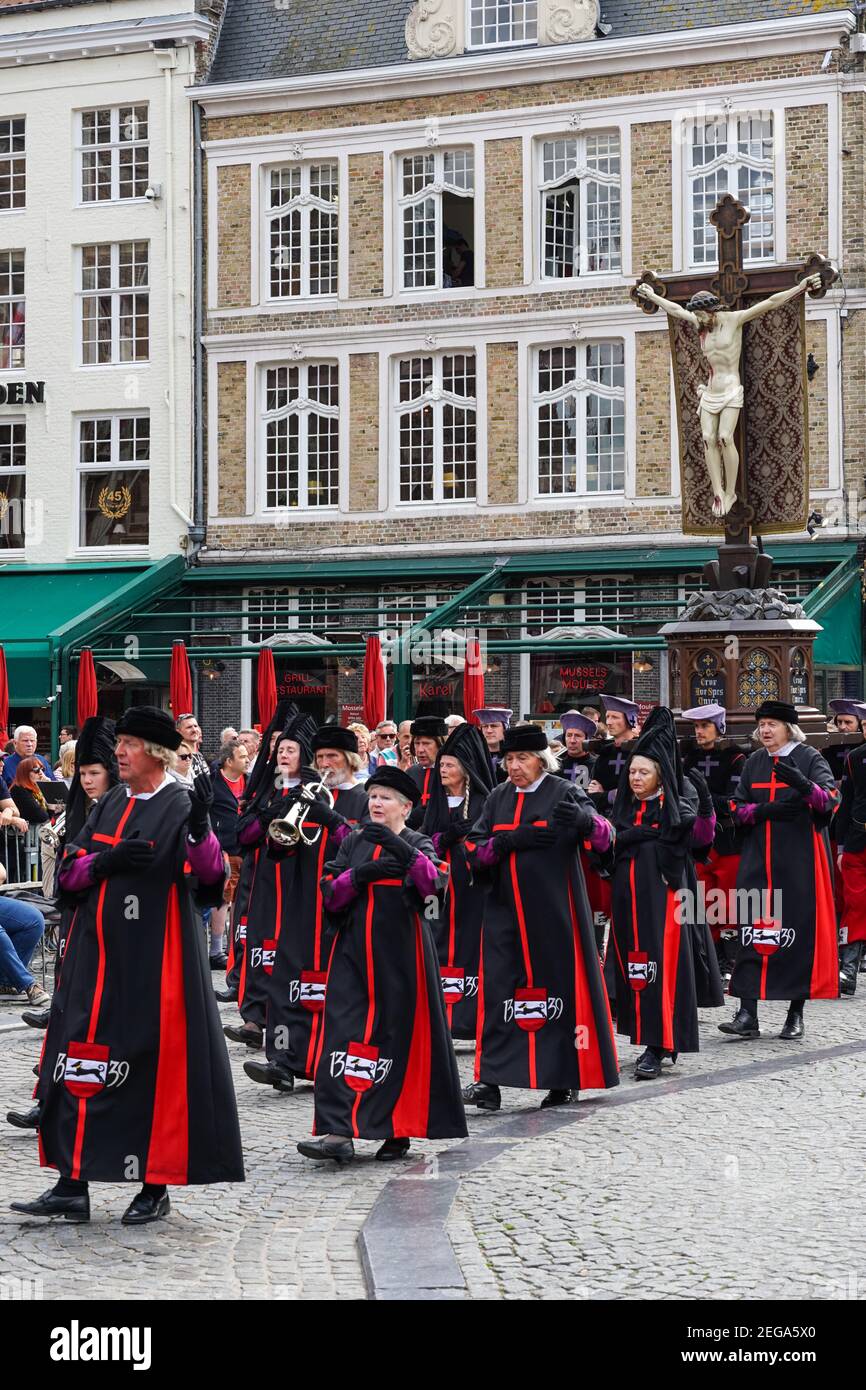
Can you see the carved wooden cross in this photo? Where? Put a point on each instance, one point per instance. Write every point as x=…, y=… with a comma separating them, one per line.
x=737, y=288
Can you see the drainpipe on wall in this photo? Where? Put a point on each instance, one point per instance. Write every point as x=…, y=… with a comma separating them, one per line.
x=197, y=530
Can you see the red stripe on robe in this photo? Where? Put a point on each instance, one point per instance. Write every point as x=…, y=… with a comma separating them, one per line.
x=168, y=1151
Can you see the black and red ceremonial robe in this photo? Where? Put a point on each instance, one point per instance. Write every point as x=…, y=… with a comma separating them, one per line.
x=135, y=1081
x=386, y=1066
x=850, y=827
x=457, y=930
x=286, y=910
x=788, y=947
x=543, y=1016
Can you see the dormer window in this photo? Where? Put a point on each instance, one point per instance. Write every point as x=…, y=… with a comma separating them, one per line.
x=496, y=23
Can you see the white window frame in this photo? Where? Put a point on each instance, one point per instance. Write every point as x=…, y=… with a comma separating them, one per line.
x=498, y=43
x=438, y=398
x=116, y=290
x=11, y=300
x=295, y=600
x=582, y=387
x=303, y=407
x=11, y=158
x=435, y=190
x=732, y=161
x=15, y=471
x=583, y=174
x=305, y=201
x=115, y=145
x=116, y=465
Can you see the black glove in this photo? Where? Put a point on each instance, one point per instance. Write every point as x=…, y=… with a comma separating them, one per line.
x=524, y=837
x=705, y=800
x=320, y=813
x=792, y=777
x=457, y=831
x=378, y=834
x=572, y=818
x=201, y=800
x=129, y=857
x=375, y=869
x=777, y=810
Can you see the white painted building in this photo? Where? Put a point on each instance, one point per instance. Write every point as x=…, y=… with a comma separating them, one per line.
x=96, y=297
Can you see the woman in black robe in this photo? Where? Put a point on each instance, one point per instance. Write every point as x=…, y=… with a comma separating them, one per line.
x=386, y=1067
x=543, y=1016
x=463, y=779
x=784, y=801
x=287, y=896
x=663, y=957
x=135, y=1082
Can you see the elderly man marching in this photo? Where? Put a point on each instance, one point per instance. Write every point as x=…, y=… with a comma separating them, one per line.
x=135, y=1082
x=543, y=1016
x=784, y=801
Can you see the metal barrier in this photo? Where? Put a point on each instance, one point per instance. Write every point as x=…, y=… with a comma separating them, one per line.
x=21, y=854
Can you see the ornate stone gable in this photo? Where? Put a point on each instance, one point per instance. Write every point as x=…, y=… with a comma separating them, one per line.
x=437, y=28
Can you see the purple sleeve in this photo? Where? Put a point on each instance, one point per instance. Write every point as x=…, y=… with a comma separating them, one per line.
x=484, y=855
x=703, y=830
x=336, y=837
x=745, y=812
x=206, y=859
x=341, y=892
x=818, y=798
x=76, y=873
x=611, y=797
x=601, y=834
x=251, y=832
x=435, y=838
x=424, y=875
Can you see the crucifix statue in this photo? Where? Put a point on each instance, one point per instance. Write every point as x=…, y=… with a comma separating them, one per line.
x=737, y=339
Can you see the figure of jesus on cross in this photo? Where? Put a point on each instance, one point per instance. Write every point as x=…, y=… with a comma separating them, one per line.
x=721, y=399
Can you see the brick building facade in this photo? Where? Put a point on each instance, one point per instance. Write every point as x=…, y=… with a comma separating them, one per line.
x=419, y=339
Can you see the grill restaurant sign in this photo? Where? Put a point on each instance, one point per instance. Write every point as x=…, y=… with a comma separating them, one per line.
x=22, y=392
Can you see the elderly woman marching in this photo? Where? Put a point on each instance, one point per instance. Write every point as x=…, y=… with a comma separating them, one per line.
x=664, y=960
x=543, y=1016
x=785, y=798
x=386, y=1067
x=463, y=781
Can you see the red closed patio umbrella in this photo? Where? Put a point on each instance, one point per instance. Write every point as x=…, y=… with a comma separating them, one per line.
x=4, y=699
x=473, y=681
x=86, y=706
x=373, y=689
x=180, y=681
x=266, y=686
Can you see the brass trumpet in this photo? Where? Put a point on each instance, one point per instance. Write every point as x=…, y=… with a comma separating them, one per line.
x=289, y=830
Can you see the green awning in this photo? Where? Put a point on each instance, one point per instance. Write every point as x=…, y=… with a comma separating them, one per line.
x=841, y=642
x=36, y=601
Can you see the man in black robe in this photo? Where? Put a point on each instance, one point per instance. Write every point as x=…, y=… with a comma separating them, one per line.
x=427, y=734
x=720, y=763
x=543, y=1016
x=848, y=718
x=493, y=721
x=577, y=763
x=386, y=1067
x=849, y=826
x=621, y=719
x=135, y=1081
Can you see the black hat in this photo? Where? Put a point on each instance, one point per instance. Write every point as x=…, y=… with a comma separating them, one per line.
x=658, y=742
x=150, y=723
x=335, y=736
x=284, y=712
x=301, y=731
x=95, y=745
x=428, y=726
x=467, y=744
x=386, y=776
x=524, y=738
x=777, y=709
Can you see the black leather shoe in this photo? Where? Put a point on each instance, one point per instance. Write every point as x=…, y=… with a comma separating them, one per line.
x=218, y=962
x=742, y=1025
x=849, y=965
x=27, y=1119
x=36, y=1070
x=557, y=1098
x=244, y=1033
x=671, y=1057
x=647, y=1067
x=226, y=996
x=329, y=1146
x=269, y=1074
x=486, y=1097
x=392, y=1149
x=793, y=1029
x=75, y=1208
x=146, y=1207
x=36, y=1018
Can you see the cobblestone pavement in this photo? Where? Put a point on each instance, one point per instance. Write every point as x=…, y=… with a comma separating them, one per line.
x=739, y=1175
